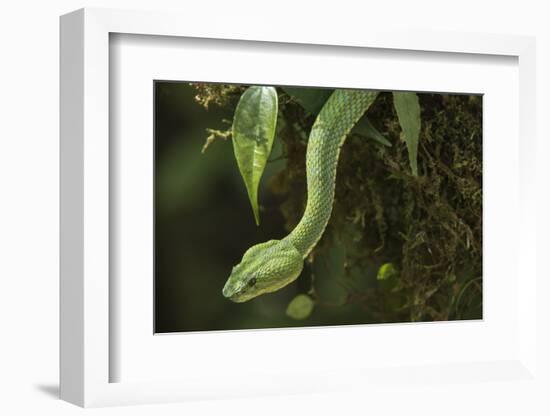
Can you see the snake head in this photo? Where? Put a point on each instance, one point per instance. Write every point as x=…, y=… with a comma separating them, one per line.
x=265, y=268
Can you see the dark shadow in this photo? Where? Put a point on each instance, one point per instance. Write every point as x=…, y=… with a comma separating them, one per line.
x=51, y=390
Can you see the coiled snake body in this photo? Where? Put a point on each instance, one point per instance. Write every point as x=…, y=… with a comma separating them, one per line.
x=269, y=266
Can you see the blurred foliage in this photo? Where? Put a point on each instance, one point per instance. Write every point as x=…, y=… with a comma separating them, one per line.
x=427, y=227
x=300, y=307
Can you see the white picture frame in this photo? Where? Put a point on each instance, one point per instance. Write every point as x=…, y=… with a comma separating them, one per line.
x=86, y=302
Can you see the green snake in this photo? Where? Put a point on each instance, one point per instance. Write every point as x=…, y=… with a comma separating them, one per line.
x=269, y=266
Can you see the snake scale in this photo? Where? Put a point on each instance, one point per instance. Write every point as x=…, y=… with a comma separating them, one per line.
x=269, y=266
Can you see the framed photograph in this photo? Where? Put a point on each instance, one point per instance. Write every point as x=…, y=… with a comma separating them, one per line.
x=247, y=215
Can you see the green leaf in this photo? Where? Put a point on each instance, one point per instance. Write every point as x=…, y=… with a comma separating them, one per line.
x=387, y=277
x=408, y=112
x=329, y=271
x=386, y=271
x=313, y=99
x=300, y=307
x=253, y=132
x=365, y=128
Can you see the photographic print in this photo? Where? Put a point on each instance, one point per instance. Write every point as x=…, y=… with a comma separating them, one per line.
x=287, y=206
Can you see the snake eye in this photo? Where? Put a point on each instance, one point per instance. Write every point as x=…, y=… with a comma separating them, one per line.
x=252, y=282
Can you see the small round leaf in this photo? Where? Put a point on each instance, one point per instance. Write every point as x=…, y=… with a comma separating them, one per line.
x=300, y=307
x=386, y=271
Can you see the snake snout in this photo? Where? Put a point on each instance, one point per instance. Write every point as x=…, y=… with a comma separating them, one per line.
x=228, y=290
